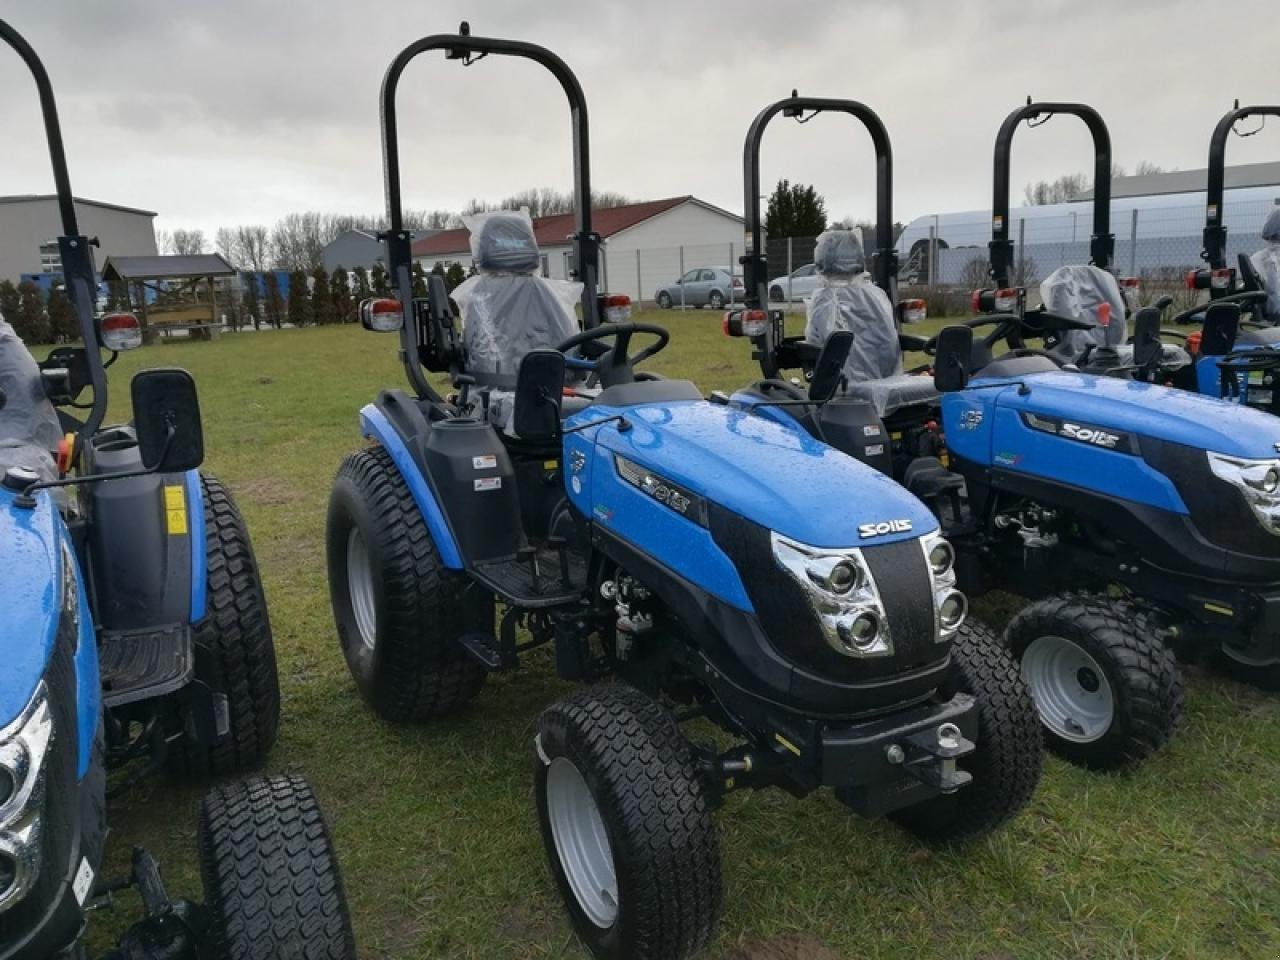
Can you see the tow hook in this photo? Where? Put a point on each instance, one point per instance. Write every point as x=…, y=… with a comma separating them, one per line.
x=930, y=756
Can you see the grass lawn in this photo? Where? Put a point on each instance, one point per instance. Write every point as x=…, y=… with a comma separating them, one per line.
x=435, y=825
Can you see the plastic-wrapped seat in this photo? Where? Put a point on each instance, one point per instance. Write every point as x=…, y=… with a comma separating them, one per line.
x=1267, y=264
x=29, y=427
x=848, y=300
x=1080, y=292
x=507, y=309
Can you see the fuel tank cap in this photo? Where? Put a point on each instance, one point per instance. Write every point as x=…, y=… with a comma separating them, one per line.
x=19, y=478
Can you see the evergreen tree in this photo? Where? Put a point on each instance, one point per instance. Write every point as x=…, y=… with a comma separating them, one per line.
x=249, y=299
x=8, y=300
x=379, y=282
x=300, y=314
x=63, y=324
x=344, y=307
x=360, y=281
x=274, y=305
x=795, y=210
x=31, y=321
x=321, y=301
x=419, y=280
x=454, y=275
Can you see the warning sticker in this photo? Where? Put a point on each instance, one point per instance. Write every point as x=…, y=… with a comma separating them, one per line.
x=175, y=509
x=488, y=483
x=487, y=462
x=875, y=449
x=83, y=882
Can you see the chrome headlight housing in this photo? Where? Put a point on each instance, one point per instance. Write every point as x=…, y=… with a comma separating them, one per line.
x=24, y=745
x=1258, y=482
x=842, y=593
x=950, y=606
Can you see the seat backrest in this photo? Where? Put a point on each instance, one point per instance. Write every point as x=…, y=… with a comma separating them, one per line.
x=848, y=300
x=507, y=309
x=1080, y=292
x=1267, y=264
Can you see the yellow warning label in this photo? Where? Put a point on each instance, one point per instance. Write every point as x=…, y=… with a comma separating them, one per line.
x=175, y=508
x=1218, y=608
x=551, y=465
x=787, y=743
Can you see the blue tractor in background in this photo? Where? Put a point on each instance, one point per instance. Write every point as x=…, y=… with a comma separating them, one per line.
x=721, y=566
x=1138, y=519
x=135, y=637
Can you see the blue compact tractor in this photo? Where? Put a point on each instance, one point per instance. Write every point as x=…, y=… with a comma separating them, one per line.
x=680, y=557
x=1141, y=520
x=134, y=636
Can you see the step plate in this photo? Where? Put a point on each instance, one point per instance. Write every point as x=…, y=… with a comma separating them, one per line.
x=145, y=664
x=513, y=579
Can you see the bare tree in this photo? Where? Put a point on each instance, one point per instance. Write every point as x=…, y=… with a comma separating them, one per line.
x=254, y=245
x=183, y=243
x=227, y=242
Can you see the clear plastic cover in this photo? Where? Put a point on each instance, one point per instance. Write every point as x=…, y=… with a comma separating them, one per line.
x=1079, y=292
x=1267, y=262
x=838, y=254
x=29, y=426
x=874, y=368
x=506, y=309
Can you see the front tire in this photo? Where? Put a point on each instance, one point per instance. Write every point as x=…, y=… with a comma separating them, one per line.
x=271, y=881
x=716, y=300
x=1009, y=754
x=664, y=300
x=239, y=655
x=397, y=608
x=777, y=294
x=627, y=829
x=1108, y=695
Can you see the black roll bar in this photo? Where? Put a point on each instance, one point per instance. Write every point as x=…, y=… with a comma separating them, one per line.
x=1215, y=231
x=586, y=243
x=77, y=262
x=1102, y=244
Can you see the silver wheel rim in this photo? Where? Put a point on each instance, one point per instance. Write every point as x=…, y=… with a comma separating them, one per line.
x=360, y=588
x=1070, y=689
x=582, y=845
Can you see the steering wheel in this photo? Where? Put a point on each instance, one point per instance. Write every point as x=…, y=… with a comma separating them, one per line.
x=1033, y=352
x=1248, y=360
x=785, y=387
x=615, y=365
x=1005, y=325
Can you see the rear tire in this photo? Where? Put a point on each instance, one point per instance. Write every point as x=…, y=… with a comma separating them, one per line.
x=1009, y=754
x=399, y=620
x=235, y=637
x=271, y=881
x=627, y=829
x=664, y=300
x=1108, y=695
x=777, y=294
x=716, y=300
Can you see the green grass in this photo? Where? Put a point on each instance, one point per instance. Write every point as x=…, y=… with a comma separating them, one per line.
x=435, y=825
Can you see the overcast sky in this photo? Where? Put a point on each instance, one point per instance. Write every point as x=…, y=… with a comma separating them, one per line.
x=238, y=112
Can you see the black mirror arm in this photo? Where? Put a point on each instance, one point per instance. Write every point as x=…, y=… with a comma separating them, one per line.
x=623, y=424
x=27, y=501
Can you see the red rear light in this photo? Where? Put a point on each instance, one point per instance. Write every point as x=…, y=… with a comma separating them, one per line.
x=1006, y=300
x=121, y=331
x=615, y=307
x=913, y=311
x=745, y=323
x=381, y=315
x=975, y=300
x=1222, y=278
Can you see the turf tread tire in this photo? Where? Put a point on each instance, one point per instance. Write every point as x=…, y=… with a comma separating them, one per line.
x=235, y=635
x=418, y=670
x=1009, y=755
x=1146, y=684
x=642, y=775
x=272, y=886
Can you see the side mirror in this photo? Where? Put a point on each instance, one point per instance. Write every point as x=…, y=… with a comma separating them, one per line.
x=1221, y=324
x=381, y=315
x=1146, y=338
x=166, y=415
x=539, y=387
x=952, y=358
x=828, y=372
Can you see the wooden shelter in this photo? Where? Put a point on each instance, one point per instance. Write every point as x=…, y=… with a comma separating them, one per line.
x=184, y=287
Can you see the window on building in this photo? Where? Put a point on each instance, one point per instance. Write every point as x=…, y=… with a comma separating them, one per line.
x=50, y=257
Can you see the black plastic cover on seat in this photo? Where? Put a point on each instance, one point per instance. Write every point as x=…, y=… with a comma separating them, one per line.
x=29, y=426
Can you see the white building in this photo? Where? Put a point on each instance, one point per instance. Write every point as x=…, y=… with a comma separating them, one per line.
x=646, y=245
x=30, y=226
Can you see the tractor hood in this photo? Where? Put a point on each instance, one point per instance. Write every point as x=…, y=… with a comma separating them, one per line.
x=774, y=475
x=30, y=572
x=1143, y=409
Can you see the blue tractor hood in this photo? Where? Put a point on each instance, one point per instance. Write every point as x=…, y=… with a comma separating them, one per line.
x=30, y=571
x=775, y=475
x=1176, y=416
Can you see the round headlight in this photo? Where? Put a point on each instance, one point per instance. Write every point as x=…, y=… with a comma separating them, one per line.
x=860, y=633
x=8, y=785
x=843, y=577
x=952, y=610
x=941, y=558
x=1271, y=480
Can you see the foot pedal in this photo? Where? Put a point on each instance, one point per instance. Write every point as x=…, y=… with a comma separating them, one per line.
x=145, y=664
x=484, y=649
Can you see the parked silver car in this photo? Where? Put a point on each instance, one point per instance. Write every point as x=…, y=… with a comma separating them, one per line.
x=800, y=284
x=702, y=287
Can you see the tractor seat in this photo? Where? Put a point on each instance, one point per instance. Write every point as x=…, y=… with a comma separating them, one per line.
x=891, y=394
x=29, y=425
x=1082, y=292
